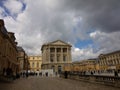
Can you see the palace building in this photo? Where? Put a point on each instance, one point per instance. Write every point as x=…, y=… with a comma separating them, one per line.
x=110, y=61
x=22, y=59
x=8, y=50
x=56, y=55
x=35, y=63
x=84, y=65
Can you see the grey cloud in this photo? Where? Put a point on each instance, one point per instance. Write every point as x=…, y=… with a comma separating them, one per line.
x=107, y=42
x=40, y=23
x=100, y=14
x=56, y=23
x=51, y=24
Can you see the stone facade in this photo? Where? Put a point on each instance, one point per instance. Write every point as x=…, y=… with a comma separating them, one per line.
x=22, y=59
x=56, y=55
x=110, y=61
x=35, y=63
x=8, y=50
x=84, y=65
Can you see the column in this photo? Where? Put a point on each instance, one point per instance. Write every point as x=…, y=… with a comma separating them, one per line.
x=61, y=59
x=48, y=53
x=68, y=57
x=55, y=60
x=69, y=54
x=43, y=56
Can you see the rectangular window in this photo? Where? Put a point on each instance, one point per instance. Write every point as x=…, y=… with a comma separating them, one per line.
x=64, y=49
x=64, y=58
x=58, y=58
x=37, y=64
x=33, y=65
x=58, y=49
x=52, y=49
x=51, y=58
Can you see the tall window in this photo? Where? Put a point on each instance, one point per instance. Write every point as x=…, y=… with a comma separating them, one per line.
x=64, y=49
x=58, y=58
x=51, y=58
x=37, y=64
x=52, y=49
x=58, y=49
x=64, y=58
x=33, y=64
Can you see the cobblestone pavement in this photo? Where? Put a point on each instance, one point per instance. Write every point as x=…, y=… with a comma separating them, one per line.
x=52, y=83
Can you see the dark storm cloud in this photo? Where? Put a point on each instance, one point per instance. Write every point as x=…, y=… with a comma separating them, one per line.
x=99, y=14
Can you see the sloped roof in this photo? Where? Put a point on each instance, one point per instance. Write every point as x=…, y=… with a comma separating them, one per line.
x=114, y=52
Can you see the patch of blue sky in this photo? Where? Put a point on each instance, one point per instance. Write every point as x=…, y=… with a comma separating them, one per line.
x=7, y=12
x=24, y=6
x=84, y=43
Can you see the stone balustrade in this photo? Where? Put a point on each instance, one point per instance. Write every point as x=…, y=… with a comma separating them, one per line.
x=98, y=79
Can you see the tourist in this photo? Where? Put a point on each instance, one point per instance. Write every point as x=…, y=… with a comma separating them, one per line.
x=116, y=73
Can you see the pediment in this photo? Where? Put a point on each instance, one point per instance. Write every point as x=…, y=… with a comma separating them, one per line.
x=58, y=42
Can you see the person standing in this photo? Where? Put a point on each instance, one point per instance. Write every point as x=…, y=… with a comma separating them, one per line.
x=116, y=73
x=66, y=74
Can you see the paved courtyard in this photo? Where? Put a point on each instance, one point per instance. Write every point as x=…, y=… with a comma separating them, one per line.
x=52, y=83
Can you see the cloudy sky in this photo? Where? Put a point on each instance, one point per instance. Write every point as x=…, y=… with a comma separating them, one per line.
x=91, y=26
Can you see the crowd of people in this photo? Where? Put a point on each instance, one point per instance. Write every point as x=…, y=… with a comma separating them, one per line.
x=8, y=73
x=14, y=75
x=26, y=74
